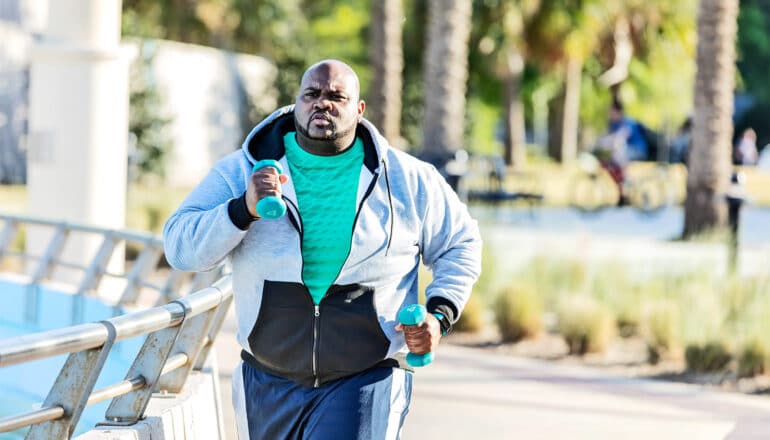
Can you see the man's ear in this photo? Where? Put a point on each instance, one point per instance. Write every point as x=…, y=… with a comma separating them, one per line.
x=361, y=107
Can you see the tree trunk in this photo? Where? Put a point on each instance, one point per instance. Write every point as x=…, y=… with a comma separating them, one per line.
x=446, y=73
x=555, y=126
x=709, y=166
x=515, y=136
x=564, y=114
x=569, y=141
x=384, y=100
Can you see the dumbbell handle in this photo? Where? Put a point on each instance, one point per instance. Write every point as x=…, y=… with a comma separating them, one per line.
x=414, y=315
x=270, y=206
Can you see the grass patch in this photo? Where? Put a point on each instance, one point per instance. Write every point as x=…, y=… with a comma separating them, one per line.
x=669, y=311
x=518, y=313
x=148, y=207
x=586, y=325
x=13, y=199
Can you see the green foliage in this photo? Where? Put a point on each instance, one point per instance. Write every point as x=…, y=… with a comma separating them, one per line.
x=711, y=357
x=472, y=318
x=555, y=278
x=661, y=329
x=295, y=33
x=148, y=208
x=518, y=313
x=754, y=47
x=585, y=324
x=753, y=358
x=488, y=280
x=147, y=124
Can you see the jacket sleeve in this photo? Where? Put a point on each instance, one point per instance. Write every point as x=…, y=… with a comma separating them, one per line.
x=200, y=234
x=451, y=246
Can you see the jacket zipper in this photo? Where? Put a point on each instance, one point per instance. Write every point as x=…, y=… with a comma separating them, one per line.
x=317, y=307
x=316, y=318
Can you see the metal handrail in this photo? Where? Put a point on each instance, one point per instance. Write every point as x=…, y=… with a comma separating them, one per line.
x=179, y=335
x=150, y=249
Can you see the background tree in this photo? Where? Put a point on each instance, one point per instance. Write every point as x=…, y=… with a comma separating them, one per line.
x=446, y=73
x=387, y=60
x=705, y=206
x=150, y=142
x=753, y=61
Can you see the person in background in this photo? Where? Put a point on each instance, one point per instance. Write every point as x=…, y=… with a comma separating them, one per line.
x=630, y=131
x=625, y=141
x=317, y=291
x=745, y=152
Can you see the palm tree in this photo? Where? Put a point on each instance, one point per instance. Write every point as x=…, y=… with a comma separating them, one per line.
x=446, y=73
x=387, y=64
x=705, y=206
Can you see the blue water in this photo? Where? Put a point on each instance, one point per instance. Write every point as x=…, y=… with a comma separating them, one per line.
x=26, y=310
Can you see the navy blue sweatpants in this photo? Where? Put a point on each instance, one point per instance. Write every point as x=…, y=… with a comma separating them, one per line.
x=369, y=405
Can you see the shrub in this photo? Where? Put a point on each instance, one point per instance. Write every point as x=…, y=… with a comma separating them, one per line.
x=753, y=359
x=472, y=318
x=711, y=357
x=585, y=325
x=518, y=313
x=627, y=322
x=661, y=330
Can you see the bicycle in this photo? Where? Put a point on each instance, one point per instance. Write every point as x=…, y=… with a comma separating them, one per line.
x=502, y=184
x=599, y=186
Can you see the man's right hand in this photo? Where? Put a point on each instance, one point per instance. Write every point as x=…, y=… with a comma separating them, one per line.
x=263, y=183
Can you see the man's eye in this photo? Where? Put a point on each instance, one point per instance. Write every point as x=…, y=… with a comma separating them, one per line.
x=311, y=94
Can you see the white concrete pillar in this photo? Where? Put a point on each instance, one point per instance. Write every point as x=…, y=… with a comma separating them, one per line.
x=78, y=123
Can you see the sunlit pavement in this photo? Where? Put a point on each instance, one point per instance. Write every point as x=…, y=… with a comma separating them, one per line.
x=470, y=393
x=474, y=394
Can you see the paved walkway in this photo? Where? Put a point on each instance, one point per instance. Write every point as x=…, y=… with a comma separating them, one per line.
x=475, y=394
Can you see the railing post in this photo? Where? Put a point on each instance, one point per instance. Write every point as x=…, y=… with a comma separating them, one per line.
x=216, y=325
x=52, y=252
x=98, y=265
x=72, y=388
x=128, y=408
x=145, y=262
x=170, y=289
x=192, y=337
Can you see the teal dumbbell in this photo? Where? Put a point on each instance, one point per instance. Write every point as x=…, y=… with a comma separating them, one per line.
x=271, y=206
x=415, y=315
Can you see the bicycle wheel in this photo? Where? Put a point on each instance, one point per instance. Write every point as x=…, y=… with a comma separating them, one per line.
x=589, y=193
x=649, y=195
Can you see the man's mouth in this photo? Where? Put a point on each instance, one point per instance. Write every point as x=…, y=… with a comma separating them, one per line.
x=321, y=117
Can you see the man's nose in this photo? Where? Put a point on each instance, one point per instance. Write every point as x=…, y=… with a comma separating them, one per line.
x=322, y=102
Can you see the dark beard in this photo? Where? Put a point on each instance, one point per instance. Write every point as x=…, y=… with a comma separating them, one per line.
x=305, y=130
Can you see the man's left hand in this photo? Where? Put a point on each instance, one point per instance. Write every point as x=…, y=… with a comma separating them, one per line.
x=422, y=338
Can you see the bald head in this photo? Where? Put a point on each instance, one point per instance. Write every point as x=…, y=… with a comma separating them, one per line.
x=328, y=108
x=333, y=69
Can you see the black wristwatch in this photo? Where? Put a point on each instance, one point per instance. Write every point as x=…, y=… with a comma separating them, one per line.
x=443, y=323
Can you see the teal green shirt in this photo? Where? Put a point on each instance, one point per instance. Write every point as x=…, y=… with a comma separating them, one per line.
x=326, y=187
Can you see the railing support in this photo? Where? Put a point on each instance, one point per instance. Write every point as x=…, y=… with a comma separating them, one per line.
x=72, y=388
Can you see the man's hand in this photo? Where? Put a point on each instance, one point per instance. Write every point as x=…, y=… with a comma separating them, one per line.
x=263, y=183
x=422, y=338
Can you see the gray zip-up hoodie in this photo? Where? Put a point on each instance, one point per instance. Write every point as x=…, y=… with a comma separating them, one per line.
x=405, y=210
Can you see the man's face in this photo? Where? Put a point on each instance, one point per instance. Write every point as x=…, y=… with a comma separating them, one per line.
x=327, y=106
x=616, y=115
